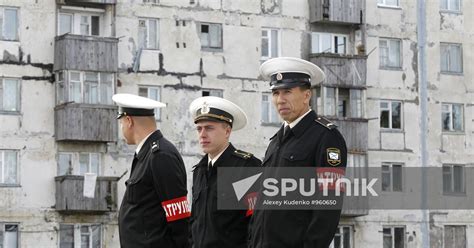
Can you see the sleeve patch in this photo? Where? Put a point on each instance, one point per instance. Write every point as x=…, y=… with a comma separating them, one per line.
x=176, y=209
x=333, y=156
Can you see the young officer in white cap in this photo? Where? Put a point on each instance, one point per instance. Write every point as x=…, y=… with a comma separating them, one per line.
x=304, y=140
x=215, y=119
x=154, y=210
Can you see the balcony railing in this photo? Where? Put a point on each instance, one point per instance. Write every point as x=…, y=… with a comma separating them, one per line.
x=337, y=11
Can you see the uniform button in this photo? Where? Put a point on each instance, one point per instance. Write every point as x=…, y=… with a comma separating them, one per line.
x=291, y=157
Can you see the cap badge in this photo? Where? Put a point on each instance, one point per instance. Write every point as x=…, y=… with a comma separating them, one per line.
x=279, y=76
x=205, y=108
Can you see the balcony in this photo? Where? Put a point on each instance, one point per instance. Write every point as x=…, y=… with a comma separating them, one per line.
x=85, y=122
x=86, y=1
x=70, y=199
x=355, y=132
x=342, y=70
x=355, y=206
x=85, y=53
x=348, y=12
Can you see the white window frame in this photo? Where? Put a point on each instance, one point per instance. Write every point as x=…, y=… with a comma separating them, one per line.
x=68, y=93
x=340, y=235
x=450, y=112
x=390, y=120
x=149, y=95
x=325, y=100
x=391, y=173
x=356, y=163
x=3, y=168
x=447, y=48
x=270, y=43
x=2, y=230
x=392, y=234
x=148, y=45
x=450, y=6
x=464, y=227
x=75, y=165
x=332, y=36
x=383, y=3
x=213, y=92
x=77, y=233
x=151, y=1
x=17, y=22
x=382, y=64
x=17, y=97
x=452, y=179
x=76, y=21
x=272, y=115
x=209, y=47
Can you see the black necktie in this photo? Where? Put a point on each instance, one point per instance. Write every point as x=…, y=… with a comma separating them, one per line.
x=135, y=159
x=286, y=131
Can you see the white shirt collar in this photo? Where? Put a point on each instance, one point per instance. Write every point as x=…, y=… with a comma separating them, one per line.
x=139, y=146
x=216, y=157
x=293, y=124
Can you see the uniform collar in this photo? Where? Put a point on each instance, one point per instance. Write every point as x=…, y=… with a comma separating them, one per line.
x=155, y=136
x=226, y=153
x=216, y=157
x=140, y=145
x=295, y=122
x=304, y=123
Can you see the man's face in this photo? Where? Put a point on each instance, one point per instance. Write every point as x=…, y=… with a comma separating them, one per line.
x=213, y=136
x=291, y=103
x=126, y=126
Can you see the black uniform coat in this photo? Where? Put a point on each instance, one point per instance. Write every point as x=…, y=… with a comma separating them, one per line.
x=212, y=228
x=158, y=177
x=307, y=144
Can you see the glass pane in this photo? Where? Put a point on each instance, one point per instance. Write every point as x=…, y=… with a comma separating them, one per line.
x=1, y=172
x=85, y=25
x=96, y=234
x=444, y=4
x=356, y=103
x=384, y=119
x=143, y=92
x=65, y=24
x=399, y=237
x=10, y=26
x=85, y=239
x=106, y=90
x=444, y=56
x=387, y=238
x=64, y=164
x=386, y=181
x=11, y=236
x=330, y=103
x=397, y=177
x=204, y=35
x=265, y=109
x=95, y=163
x=447, y=179
x=215, y=34
x=446, y=121
x=274, y=43
x=315, y=43
x=326, y=43
x=265, y=45
x=152, y=34
x=460, y=237
x=455, y=58
x=11, y=167
x=391, y=2
x=456, y=5
x=95, y=25
x=83, y=163
x=66, y=236
x=457, y=117
x=383, y=53
x=340, y=44
x=346, y=237
x=394, y=56
x=91, y=88
x=142, y=33
x=10, y=95
x=343, y=104
x=396, y=115
x=458, y=179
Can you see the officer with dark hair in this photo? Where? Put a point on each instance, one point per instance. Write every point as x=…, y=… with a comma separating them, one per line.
x=154, y=210
x=215, y=119
x=304, y=140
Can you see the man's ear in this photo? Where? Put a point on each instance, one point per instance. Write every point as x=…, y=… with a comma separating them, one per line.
x=129, y=121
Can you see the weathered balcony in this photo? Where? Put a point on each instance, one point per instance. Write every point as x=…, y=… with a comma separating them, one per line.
x=70, y=198
x=337, y=11
x=85, y=53
x=342, y=70
x=355, y=206
x=355, y=133
x=86, y=1
x=85, y=122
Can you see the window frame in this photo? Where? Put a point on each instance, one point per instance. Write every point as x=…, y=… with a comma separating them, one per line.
x=76, y=21
x=18, y=233
x=449, y=9
x=389, y=48
x=212, y=92
x=75, y=166
x=147, y=20
x=18, y=96
x=464, y=227
x=77, y=231
x=452, y=191
x=388, y=5
x=17, y=30
x=270, y=43
x=340, y=228
x=271, y=111
x=449, y=70
x=332, y=38
x=390, y=120
x=451, y=116
x=392, y=234
x=2, y=168
x=322, y=91
x=391, y=166
x=221, y=38
x=66, y=86
x=155, y=87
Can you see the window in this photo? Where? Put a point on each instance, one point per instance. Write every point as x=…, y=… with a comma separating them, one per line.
x=450, y=5
x=342, y=238
x=152, y=93
x=88, y=236
x=451, y=57
x=270, y=43
x=390, y=114
x=213, y=92
x=393, y=237
x=148, y=33
x=349, y=102
x=454, y=236
x=85, y=87
x=211, y=35
x=391, y=3
x=269, y=113
x=390, y=53
x=452, y=117
x=8, y=167
x=151, y=1
x=9, y=95
x=356, y=165
x=329, y=43
x=8, y=235
x=8, y=23
x=79, y=23
x=78, y=163
x=392, y=177
x=453, y=179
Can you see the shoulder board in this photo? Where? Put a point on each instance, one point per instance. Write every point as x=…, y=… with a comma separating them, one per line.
x=325, y=123
x=242, y=154
x=155, y=146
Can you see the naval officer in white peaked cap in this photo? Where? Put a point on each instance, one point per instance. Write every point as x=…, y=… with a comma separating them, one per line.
x=149, y=215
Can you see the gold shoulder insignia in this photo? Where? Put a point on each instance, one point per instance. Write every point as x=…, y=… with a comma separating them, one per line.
x=242, y=154
x=325, y=123
x=155, y=146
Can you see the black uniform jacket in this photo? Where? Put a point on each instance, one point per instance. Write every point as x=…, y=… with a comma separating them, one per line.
x=154, y=211
x=309, y=143
x=212, y=228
